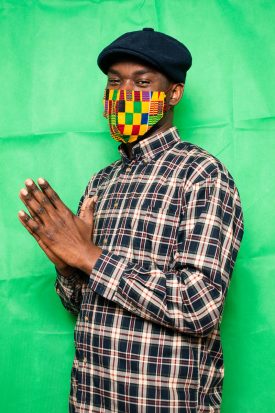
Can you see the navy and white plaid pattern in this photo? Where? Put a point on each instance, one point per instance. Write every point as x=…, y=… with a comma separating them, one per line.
x=147, y=335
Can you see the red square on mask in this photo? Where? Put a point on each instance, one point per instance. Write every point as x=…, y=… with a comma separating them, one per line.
x=135, y=130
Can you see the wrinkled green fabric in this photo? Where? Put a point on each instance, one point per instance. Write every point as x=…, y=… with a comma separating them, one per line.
x=51, y=125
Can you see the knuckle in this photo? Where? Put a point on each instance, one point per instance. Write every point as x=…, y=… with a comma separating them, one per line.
x=50, y=235
x=54, y=197
x=60, y=222
x=44, y=200
x=40, y=210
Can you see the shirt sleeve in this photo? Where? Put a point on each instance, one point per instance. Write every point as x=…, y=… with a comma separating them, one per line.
x=190, y=296
x=69, y=289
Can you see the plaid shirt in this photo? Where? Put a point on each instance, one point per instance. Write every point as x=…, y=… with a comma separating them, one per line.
x=147, y=336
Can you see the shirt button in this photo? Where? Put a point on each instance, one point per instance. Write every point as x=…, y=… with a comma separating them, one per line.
x=128, y=169
x=86, y=318
x=84, y=360
x=105, y=241
x=115, y=204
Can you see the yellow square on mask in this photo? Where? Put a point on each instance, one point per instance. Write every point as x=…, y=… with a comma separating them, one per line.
x=133, y=138
x=111, y=94
x=137, y=118
x=143, y=129
x=145, y=107
x=155, y=96
x=121, y=118
x=129, y=106
x=127, y=130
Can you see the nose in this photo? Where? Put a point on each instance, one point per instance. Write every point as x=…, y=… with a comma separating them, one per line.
x=127, y=84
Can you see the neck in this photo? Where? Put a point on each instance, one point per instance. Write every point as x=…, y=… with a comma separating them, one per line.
x=162, y=126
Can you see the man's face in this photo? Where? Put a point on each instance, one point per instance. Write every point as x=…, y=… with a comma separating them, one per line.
x=135, y=75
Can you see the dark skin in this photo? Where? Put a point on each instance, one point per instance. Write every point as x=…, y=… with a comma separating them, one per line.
x=67, y=239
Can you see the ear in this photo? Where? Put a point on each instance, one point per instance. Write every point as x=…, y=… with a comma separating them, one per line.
x=175, y=94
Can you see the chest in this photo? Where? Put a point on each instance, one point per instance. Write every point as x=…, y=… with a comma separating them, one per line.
x=138, y=212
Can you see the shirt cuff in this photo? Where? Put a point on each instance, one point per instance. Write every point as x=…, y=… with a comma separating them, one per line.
x=69, y=282
x=106, y=274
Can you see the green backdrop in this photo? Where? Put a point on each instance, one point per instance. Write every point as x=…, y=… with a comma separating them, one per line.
x=51, y=125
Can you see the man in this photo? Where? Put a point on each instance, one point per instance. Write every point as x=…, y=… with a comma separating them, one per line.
x=147, y=262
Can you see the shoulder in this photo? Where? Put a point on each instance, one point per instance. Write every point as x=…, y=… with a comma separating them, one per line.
x=196, y=165
x=205, y=177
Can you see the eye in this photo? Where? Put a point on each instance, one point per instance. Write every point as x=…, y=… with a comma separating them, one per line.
x=113, y=81
x=143, y=82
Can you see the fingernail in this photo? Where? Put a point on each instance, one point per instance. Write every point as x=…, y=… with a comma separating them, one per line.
x=21, y=213
x=24, y=192
x=29, y=182
x=41, y=181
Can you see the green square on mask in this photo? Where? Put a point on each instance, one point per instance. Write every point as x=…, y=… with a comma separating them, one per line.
x=137, y=107
x=128, y=119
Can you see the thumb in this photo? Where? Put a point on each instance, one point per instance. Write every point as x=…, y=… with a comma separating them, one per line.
x=87, y=210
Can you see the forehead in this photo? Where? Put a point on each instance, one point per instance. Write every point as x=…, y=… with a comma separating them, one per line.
x=132, y=66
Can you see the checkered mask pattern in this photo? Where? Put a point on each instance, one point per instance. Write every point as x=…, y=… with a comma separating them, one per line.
x=131, y=113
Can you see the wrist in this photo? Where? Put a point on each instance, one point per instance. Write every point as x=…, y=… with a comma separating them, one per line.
x=65, y=270
x=90, y=259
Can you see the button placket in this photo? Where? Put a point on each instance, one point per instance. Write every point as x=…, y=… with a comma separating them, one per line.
x=118, y=201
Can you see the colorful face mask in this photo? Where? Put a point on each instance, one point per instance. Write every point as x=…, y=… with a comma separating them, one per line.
x=131, y=113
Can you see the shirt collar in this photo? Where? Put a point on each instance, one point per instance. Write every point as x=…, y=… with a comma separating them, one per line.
x=152, y=146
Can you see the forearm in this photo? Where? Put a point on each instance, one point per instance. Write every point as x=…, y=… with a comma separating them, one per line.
x=183, y=300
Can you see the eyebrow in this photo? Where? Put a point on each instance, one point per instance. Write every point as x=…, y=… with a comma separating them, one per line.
x=137, y=72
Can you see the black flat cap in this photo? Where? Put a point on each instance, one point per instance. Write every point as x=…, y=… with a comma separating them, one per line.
x=163, y=52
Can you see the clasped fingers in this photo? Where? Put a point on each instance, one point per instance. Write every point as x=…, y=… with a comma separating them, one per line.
x=36, y=208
